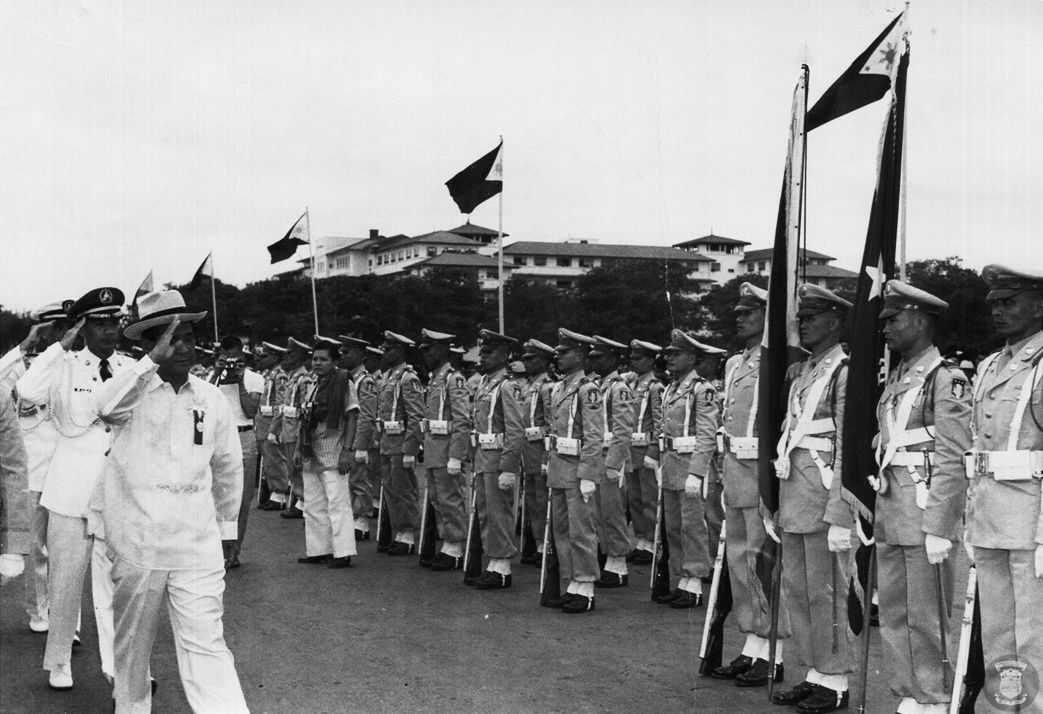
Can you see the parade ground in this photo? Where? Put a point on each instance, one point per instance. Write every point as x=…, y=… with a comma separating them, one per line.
x=388, y=636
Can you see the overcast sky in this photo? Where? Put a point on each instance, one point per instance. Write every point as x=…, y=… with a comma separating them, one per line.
x=141, y=135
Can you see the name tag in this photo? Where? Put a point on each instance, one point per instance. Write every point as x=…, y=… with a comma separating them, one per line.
x=490, y=442
x=684, y=444
x=533, y=433
x=393, y=428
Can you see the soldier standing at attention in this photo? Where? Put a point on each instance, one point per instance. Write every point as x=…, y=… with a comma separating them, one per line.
x=1004, y=522
x=641, y=490
x=924, y=418
x=617, y=425
x=273, y=374
x=815, y=521
x=286, y=422
x=364, y=463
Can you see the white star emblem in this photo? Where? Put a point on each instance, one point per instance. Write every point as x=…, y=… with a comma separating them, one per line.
x=876, y=274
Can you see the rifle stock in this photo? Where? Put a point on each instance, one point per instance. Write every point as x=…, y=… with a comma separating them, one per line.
x=428, y=530
x=550, y=576
x=969, y=676
x=473, y=550
x=383, y=522
x=717, y=609
x=773, y=632
x=659, y=582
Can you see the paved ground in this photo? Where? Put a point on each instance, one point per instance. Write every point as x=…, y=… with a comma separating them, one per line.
x=386, y=636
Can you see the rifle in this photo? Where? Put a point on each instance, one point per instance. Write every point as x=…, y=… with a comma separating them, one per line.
x=943, y=625
x=428, y=531
x=519, y=526
x=550, y=576
x=717, y=610
x=659, y=581
x=970, y=660
x=473, y=550
x=773, y=631
x=867, y=615
x=383, y=523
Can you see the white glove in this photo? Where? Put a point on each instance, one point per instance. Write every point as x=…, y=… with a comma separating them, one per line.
x=839, y=539
x=272, y=437
x=969, y=550
x=650, y=463
x=937, y=548
x=658, y=477
x=1039, y=561
x=408, y=460
x=506, y=481
x=11, y=565
x=769, y=528
x=361, y=456
x=587, y=489
x=616, y=475
x=543, y=469
x=693, y=485
x=453, y=466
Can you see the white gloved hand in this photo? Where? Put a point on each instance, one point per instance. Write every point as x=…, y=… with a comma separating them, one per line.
x=650, y=463
x=454, y=466
x=615, y=475
x=693, y=485
x=1039, y=561
x=938, y=549
x=839, y=539
x=408, y=460
x=543, y=469
x=769, y=528
x=506, y=481
x=12, y=565
x=361, y=456
x=272, y=437
x=587, y=489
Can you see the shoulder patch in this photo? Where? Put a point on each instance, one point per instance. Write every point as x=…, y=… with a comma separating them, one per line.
x=624, y=394
x=958, y=388
x=457, y=381
x=593, y=398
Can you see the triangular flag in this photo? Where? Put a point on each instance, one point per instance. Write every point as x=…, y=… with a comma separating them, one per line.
x=478, y=182
x=286, y=246
x=145, y=287
x=866, y=80
x=206, y=268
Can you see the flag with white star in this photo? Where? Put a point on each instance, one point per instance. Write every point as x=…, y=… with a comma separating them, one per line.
x=868, y=78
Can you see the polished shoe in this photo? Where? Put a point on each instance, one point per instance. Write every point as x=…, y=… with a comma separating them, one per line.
x=444, y=561
x=397, y=548
x=270, y=506
x=315, y=559
x=823, y=700
x=609, y=579
x=492, y=581
x=796, y=695
x=39, y=625
x=578, y=603
x=640, y=557
x=557, y=602
x=361, y=535
x=733, y=669
x=60, y=677
x=687, y=600
x=344, y=562
x=292, y=512
x=757, y=675
x=667, y=598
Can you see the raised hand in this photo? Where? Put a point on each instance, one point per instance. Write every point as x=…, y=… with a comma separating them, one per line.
x=34, y=336
x=69, y=338
x=163, y=350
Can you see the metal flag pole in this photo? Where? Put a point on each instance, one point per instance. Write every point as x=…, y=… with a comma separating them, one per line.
x=499, y=243
x=311, y=249
x=213, y=296
x=903, y=177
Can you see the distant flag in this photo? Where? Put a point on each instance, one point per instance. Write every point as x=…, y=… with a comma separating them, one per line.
x=206, y=268
x=478, y=182
x=866, y=80
x=286, y=246
x=145, y=287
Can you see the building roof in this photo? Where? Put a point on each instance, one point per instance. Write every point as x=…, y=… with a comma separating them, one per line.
x=816, y=270
x=437, y=237
x=469, y=229
x=451, y=259
x=703, y=240
x=603, y=250
x=765, y=254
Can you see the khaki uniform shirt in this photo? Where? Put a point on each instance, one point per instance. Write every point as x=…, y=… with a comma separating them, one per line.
x=576, y=401
x=647, y=406
x=618, y=418
x=738, y=415
x=447, y=400
x=401, y=399
x=690, y=408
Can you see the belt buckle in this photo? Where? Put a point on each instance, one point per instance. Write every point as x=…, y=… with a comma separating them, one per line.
x=981, y=463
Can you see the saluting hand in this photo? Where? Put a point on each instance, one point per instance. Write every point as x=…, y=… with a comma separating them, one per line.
x=163, y=350
x=69, y=338
x=34, y=336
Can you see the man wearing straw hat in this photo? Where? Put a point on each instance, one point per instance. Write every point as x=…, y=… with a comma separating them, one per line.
x=169, y=495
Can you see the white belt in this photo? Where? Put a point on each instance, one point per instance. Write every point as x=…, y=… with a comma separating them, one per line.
x=815, y=443
x=267, y=410
x=911, y=458
x=744, y=447
x=1020, y=465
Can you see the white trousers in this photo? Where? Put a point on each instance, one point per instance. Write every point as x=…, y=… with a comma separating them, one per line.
x=195, y=603
x=69, y=549
x=36, y=604
x=329, y=524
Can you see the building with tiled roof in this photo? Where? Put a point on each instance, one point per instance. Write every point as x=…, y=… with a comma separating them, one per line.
x=484, y=268
x=725, y=253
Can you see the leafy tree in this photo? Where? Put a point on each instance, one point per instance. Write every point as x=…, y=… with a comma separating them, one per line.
x=13, y=328
x=967, y=325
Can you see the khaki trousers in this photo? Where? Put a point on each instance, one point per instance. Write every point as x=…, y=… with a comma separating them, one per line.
x=446, y=492
x=496, y=517
x=612, y=520
x=574, y=523
x=750, y=554
x=686, y=536
x=642, y=496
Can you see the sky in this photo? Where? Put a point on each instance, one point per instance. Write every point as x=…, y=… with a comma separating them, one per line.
x=142, y=135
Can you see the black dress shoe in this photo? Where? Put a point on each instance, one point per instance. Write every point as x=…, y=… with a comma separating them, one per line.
x=578, y=603
x=361, y=535
x=492, y=581
x=793, y=696
x=444, y=561
x=667, y=598
x=609, y=579
x=557, y=602
x=398, y=548
x=314, y=559
x=292, y=512
x=426, y=561
x=733, y=669
x=640, y=557
x=270, y=506
x=823, y=700
x=344, y=562
x=687, y=600
x=757, y=675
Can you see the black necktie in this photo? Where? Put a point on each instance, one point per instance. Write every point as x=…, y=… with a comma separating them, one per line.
x=104, y=371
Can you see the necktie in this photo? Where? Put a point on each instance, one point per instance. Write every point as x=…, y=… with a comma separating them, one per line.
x=104, y=371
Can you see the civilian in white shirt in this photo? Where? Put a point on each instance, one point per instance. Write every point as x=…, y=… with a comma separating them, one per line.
x=242, y=388
x=169, y=495
x=67, y=382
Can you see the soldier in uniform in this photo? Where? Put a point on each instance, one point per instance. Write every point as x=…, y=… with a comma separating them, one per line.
x=67, y=381
x=617, y=425
x=286, y=422
x=400, y=409
x=687, y=426
x=496, y=411
x=447, y=434
x=814, y=520
x=924, y=418
x=641, y=488
x=747, y=543
x=575, y=467
x=365, y=459
x=1004, y=521
x=273, y=470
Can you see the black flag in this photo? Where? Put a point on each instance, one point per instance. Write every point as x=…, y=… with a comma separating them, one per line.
x=478, y=182
x=286, y=246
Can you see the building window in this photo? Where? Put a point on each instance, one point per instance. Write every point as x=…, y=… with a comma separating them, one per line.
x=761, y=266
x=750, y=268
x=519, y=260
x=715, y=267
x=539, y=260
x=564, y=262
x=431, y=252
x=586, y=263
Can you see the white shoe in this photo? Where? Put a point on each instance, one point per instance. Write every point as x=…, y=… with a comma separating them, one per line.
x=76, y=639
x=39, y=624
x=61, y=677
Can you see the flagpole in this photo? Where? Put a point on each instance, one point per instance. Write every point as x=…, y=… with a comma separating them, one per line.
x=905, y=152
x=213, y=297
x=311, y=250
x=802, y=229
x=499, y=244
